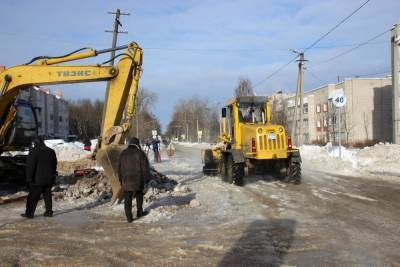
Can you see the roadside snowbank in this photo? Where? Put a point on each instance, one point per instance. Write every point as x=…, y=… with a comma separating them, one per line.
x=195, y=145
x=378, y=159
x=69, y=151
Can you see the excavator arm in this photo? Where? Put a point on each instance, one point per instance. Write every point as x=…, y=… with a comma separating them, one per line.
x=119, y=101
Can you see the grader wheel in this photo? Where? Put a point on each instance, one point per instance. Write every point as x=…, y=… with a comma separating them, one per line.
x=234, y=171
x=294, y=172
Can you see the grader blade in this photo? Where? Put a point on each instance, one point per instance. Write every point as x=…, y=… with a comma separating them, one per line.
x=108, y=158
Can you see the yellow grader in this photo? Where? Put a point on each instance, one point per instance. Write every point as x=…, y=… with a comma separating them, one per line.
x=251, y=144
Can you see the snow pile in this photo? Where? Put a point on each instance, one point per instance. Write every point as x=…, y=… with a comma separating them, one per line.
x=195, y=145
x=381, y=158
x=68, y=151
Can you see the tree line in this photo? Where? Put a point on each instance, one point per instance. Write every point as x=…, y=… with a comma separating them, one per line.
x=193, y=115
x=85, y=117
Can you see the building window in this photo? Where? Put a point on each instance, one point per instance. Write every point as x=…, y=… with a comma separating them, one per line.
x=305, y=123
x=334, y=119
x=60, y=118
x=325, y=107
x=330, y=104
x=51, y=117
x=318, y=108
x=325, y=123
x=305, y=108
x=318, y=125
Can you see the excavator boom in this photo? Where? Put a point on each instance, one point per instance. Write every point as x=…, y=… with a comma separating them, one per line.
x=121, y=95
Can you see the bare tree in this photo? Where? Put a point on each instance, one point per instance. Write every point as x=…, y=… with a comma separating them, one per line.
x=347, y=124
x=85, y=118
x=144, y=120
x=244, y=87
x=192, y=115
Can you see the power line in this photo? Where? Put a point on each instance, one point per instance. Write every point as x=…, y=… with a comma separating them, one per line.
x=336, y=26
x=354, y=48
x=314, y=76
x=313, y=44
x=276, y=71
x=180, y=49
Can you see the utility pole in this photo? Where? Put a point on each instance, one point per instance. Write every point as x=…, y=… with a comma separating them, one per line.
x=395, y=40
x=115, y=32
x=299, y=93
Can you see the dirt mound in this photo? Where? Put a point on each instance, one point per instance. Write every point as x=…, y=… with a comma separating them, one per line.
x=95, y=186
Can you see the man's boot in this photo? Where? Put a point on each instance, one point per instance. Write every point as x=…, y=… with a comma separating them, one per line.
x=48, y=213
x=139, y=204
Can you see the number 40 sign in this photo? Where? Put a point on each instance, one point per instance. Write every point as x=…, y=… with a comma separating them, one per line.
x=339, y=99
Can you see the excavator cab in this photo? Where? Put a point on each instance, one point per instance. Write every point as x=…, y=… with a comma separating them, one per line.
x=24, y=127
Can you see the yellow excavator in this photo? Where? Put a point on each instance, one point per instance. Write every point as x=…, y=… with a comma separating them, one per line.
x=18, y=124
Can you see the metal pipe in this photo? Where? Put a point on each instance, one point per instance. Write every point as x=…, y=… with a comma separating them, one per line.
x=98, y=52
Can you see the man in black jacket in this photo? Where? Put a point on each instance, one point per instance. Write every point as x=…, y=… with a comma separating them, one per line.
x=41, y=170
x=133, y=173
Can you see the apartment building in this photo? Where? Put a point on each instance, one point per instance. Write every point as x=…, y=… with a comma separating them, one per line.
x=51, y=112
x=366, y=116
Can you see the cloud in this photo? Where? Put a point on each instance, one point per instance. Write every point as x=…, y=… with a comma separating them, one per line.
x=223, y=40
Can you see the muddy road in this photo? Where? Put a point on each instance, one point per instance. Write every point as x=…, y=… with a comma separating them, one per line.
x=328, y=220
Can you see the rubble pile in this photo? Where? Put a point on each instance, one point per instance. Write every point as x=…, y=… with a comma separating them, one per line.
x=94, y=185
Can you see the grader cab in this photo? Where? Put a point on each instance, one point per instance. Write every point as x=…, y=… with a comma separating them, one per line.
x=250, y=144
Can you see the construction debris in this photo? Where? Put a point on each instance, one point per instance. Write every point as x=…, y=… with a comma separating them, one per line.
x=91, y=184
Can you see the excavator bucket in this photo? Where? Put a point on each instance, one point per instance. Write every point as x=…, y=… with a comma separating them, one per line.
x=108, y=158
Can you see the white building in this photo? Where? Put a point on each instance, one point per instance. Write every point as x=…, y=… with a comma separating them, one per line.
x=51, y=112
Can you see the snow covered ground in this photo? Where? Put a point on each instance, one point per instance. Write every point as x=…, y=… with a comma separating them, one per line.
x=195, y=145
x=70, y=151
x=329, y=219
x=378, y=159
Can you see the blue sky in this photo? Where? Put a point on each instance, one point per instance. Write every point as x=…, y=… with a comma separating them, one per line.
x=201, y=48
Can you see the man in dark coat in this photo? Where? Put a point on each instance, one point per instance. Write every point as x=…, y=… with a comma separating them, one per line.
x=41, y=171
x=133, y=173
